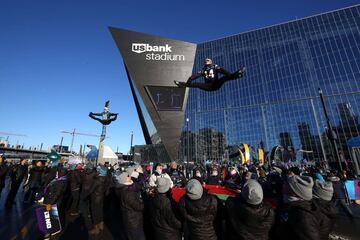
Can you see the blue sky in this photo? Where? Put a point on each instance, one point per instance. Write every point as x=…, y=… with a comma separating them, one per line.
x=58, y=60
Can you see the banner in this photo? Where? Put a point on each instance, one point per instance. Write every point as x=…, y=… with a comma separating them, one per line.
x=48, y=219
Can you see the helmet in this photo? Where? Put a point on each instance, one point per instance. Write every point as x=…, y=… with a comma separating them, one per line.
x=208, y=61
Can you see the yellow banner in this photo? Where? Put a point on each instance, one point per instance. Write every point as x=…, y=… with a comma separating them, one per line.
x=247, y=154
x=242, y=157
x=261, y=156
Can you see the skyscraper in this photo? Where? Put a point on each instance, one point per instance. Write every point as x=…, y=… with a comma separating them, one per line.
x=286, y=64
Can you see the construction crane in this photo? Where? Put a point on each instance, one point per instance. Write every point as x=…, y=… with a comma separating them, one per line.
x=73, y=133
x=11, y=134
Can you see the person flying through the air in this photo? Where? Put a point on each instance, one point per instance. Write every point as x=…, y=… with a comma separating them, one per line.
x=210, y=72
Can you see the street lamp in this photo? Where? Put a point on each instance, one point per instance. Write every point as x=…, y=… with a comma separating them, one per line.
x=330, y=132
x=187, y=139
x=131, y=143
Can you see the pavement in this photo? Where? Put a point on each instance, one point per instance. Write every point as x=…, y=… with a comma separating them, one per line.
x=19, y=223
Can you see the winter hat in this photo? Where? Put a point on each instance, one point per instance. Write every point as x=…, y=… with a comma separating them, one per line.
x=323, y=190
x=130, y=170
x=252, y=192
x=194, y=190
x=301, y=186
x=163, y=184
x=122, y=178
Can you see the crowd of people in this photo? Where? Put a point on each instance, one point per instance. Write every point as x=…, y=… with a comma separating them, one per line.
x=272, y=202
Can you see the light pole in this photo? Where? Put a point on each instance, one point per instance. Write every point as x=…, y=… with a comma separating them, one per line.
x=131, y=143
x=187, y=139
x=330, y=133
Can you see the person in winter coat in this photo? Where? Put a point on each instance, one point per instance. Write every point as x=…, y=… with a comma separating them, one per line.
x=34, y=182
x=176, y=175
x=214, y=178
x=88, y=180
x=233, y=179
x=323, y=193
x=75, y=187
x=297, y=217
x=158, y=172
x=4, y=170
x=199, y=176
x=198, y=209
x=55, y=190
x=162, y=210
x=340, y=194
x=18, y=174
x=131, y=207
x=247, y=216
x=97, y=199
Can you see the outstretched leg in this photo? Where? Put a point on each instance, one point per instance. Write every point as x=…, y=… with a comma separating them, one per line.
x=235, y=75
x=203, y=86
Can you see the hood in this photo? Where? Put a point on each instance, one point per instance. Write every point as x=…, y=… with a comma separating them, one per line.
x=160, y=200
x=254, y=214
x=197, y=210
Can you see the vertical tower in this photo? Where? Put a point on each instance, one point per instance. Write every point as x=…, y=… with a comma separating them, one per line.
x=152, y=64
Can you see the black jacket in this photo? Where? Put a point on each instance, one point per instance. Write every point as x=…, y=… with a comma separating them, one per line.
x=245, y=221
x=297, y=221
x=35, y=178
x=326, y=217
x=210, y=73
x=132, y=207
x=4, y=169
x=339, y=188
x=75, y=180
x=19, y=172
x=177, y=177
x=55, y=190
x=88, y=180
x=164, y=222
x=214, y=180
x=199, y=216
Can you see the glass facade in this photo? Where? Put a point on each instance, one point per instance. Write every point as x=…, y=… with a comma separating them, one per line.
x=278, y=103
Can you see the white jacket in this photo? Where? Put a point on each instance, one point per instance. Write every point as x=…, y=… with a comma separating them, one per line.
x=153, y=179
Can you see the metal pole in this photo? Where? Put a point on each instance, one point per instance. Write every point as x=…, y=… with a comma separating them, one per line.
x=319, y=133
x=72, y=140
x=187, y=139
x=61, y=142
x=131, y=143
x=331, y=133
x=265, y=128
x=101, y=144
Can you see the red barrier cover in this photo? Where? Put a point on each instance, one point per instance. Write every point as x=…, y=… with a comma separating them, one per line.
x=221, y=192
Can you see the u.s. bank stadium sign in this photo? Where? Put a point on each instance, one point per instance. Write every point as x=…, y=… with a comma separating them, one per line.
x=156, y=53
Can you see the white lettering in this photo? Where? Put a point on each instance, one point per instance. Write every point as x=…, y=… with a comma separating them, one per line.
x=47, y=220
x=165, y=49
x=145, y=47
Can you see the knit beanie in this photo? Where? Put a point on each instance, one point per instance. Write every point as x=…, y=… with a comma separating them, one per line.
x=194, y=190
x=252, y=192
x=323, y=190
x=301, y=186
x=163, y=184
x=122, y=178
x=130, y=170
